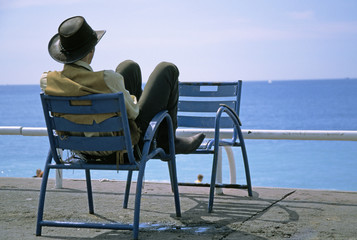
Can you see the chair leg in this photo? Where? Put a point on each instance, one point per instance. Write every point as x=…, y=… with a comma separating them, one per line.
x=219, y=191
x=247, y=171
x=138, y=199
x=213, y=179
x=174, y=185
x=127, y=189
x=89, y=192
x=41, y=203
x=169, y=164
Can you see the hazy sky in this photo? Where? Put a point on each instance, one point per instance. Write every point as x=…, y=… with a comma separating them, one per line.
x=208, y=40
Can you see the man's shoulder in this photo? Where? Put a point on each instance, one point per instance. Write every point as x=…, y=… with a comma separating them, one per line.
x=111, y=73
x=114, y=81
x=112, y=76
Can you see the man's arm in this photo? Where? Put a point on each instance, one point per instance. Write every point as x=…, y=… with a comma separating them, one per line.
x=43, y=81
x=115, y=82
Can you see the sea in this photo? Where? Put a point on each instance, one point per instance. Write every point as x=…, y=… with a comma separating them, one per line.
x=329, y=104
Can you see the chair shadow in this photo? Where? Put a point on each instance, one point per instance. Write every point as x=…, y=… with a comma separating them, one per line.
x=194, y=221
x=229, y=210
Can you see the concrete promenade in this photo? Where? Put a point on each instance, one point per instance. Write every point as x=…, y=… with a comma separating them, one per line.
x=272, y=213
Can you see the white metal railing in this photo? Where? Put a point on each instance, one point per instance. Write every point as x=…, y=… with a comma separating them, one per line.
x=325, y=135
x=25, y=131
x=224, y=133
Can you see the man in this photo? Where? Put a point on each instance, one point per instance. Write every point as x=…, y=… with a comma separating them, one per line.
x=74, y=45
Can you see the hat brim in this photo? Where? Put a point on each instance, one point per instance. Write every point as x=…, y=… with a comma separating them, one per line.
x=55, y=50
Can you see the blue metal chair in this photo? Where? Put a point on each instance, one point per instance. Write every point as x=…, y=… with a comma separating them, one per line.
x=213, y=105
x=101, y=103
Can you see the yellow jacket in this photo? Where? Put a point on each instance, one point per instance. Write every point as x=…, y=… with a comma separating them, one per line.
x=78, y=79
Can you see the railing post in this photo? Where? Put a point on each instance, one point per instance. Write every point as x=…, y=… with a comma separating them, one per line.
x=232, y=168
x=59, y=178
x=59, y=173
x=232, y=164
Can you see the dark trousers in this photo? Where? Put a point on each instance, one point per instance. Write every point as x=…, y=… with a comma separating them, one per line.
x=160, y=92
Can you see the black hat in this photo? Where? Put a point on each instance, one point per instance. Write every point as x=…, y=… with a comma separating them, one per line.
x=74, y=40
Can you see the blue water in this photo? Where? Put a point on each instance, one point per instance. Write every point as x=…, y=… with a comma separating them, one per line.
x=293, y=105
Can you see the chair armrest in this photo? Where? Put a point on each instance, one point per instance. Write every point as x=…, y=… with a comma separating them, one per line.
x=154, y=125
x=150, y=134
x=234, y=117
x=233, y=112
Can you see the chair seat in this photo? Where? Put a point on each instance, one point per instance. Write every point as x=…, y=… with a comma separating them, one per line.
x=208, y=144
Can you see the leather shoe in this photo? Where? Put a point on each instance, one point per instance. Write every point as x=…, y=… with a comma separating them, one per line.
x=186, y=145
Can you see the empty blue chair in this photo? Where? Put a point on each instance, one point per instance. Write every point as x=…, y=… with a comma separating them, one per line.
x=101, y=104
x=213, y=105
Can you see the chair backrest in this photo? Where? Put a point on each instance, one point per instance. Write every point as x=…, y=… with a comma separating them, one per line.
x=199, y=102
x=87, y=105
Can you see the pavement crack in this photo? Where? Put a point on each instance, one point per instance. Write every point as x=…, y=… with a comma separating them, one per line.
x=226, y=235
x=268, y=207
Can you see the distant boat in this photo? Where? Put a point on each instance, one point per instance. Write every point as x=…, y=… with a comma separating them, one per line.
x=270, y=81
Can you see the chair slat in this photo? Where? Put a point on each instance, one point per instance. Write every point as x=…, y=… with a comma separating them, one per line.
x=207, y=90
x=66, y=105
x=203, y=122
x=114, y=124
x=203, y=106
x=91, y=143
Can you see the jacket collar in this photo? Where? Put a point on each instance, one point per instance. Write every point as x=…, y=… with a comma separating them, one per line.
x=84, y=65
